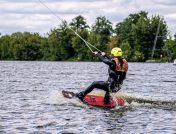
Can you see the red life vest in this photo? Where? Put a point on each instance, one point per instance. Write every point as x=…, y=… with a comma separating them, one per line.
x=124, y=67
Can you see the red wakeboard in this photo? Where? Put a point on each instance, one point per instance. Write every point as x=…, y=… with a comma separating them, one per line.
x=95, y=100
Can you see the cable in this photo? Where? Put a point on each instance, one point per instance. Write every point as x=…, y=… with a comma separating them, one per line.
x=86, y=43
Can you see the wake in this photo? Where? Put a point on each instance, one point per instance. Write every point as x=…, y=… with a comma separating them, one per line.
x=131, y=99
x=146, y=100
x=56, y=97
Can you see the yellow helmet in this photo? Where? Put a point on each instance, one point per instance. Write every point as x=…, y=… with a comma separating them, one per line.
x=117, y=52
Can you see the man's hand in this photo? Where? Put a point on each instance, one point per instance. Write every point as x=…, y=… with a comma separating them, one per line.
x=95, y=52
x=103, y=53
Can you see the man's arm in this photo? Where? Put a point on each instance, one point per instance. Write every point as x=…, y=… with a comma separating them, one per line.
x=105, y=59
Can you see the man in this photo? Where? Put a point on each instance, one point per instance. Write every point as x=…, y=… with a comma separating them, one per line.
x=118, y=68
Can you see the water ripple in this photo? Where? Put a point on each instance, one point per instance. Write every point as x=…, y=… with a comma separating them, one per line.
x=31, y=100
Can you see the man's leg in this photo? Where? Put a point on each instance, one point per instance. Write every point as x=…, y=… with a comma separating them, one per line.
x=96, y=84
x=107, y=97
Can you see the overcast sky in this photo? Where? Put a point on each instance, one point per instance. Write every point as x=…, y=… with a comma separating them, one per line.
x=32, y=16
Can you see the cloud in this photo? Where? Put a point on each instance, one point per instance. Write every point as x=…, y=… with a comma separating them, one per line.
x=50, y=1
x=165, y=2
x=32, y=16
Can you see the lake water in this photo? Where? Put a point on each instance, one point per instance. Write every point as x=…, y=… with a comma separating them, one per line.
x=31, y=100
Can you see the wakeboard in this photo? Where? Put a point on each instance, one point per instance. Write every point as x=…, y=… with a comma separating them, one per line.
x=95, y=100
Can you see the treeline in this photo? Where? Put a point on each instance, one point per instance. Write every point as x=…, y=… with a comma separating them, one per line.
x=135, y=35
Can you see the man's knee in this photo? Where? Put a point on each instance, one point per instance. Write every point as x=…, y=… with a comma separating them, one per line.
x=95, y=83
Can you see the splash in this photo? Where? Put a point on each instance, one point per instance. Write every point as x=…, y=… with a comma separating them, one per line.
x=56, y=97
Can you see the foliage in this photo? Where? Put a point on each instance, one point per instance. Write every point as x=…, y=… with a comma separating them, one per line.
x=79, y=22
x=59, y=43
x=135, y=35
x=126, y=48
x=21, y=46
x=103, y=29
x=170, y=50
x=140, y=32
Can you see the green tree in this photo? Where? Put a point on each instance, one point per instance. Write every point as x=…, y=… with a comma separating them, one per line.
x=140, y=32
x=163, y=32
x=103, y=29
x=60, y=43
x=27, y=46
x=79, y=22
x=126, y=48
x=5, y=51
x=102, y=26
x=114, y=42
x=79, y=46
x=170, y=49
x=80, y=25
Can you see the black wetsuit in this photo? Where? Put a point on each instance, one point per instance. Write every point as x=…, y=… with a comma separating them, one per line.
x=110, y=83
x=115, y=78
